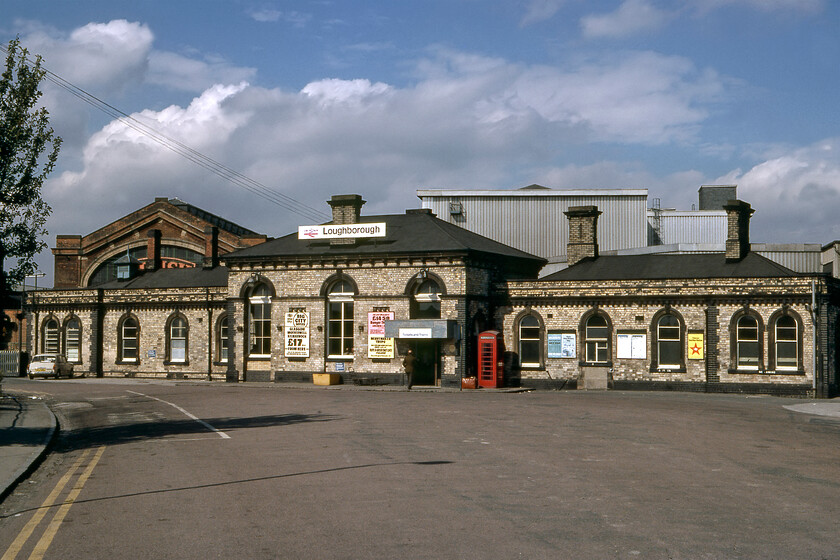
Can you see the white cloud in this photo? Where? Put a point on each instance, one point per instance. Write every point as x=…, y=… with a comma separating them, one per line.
x=189, y=74
x=796, y=194
x=540, y=10
x=332, y=91
x=630, y=18
x=270, y=15
x=801, y=6
x=107, y=56
x=639, y=97
x=265, y=15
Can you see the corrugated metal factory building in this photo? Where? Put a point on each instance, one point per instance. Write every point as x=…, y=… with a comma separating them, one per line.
x=531, y=219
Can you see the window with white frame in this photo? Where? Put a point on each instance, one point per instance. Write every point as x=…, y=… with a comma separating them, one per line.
x=340, y=320
x=669, y=342
x=787, y=343
x=530, y=342
x=129, y=340
x=178, y=340
x=224, y=339
x=259, y=322
x=51, y=338
x=597, y=341
x=73, y=340
x=747, y=342
x=426, y=304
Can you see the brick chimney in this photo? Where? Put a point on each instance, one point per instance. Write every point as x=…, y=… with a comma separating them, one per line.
x=346, y=209
x=152, y=250
x=738, y=215
x=211, y=247
x=583, y=233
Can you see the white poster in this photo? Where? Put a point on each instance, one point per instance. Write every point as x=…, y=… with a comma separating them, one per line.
x=631, y=346
x=297, y=335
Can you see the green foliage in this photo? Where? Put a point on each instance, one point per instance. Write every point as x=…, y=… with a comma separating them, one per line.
x=28, y=151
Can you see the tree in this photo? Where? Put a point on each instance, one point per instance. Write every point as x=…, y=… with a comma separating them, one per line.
x=28, y=152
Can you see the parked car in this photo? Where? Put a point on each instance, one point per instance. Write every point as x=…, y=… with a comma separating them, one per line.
x=49, y=365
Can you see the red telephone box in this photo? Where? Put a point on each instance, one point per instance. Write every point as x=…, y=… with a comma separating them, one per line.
x=491, y=349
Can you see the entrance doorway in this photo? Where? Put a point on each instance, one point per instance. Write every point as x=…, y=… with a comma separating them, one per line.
x=427, y=367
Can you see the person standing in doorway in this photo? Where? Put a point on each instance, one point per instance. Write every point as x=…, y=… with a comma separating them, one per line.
x=409, y=363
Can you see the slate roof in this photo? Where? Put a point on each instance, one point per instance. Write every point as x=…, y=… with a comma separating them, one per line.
x=663, y=267
x=197, y=277
x=415, y=232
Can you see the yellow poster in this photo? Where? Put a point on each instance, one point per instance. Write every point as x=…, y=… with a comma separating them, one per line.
x=380, y=347
x=695, y=346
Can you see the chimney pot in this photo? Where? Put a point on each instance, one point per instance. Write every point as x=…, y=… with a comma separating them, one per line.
x=346, y=209
x=583, y=233
x=738, y=215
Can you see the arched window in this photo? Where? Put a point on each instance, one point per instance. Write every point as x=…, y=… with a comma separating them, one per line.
x=596, y=338
x=669, y=344
x=73, y=340
x=530, y=342
x=426, y=301
x=50, y=344
x=177, y=336
x=340, y=320
x=746, y=332
x=785, y=335
x=223, y=338
x=128, y=335
x=259, y=322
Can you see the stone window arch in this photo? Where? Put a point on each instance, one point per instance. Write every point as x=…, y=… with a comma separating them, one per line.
x=340, y=292
x=529, y=338
x=746, y=335
x=73, y=339
x=667, y=331
x=177, y=339
x=222, y=338
x=128, y=340
x=596, y=336
x=258, y=319
x=784, y=335
x=51, y=336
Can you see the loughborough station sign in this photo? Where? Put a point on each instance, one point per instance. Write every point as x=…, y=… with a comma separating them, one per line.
x=342, y=231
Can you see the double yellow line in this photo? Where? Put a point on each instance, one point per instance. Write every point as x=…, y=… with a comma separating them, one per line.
x=51, y=501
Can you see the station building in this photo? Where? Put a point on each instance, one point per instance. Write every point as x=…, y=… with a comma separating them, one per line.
x=348, y=305
x=731, y=321
x=344, y=301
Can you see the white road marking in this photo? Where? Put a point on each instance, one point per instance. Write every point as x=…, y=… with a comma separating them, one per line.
x=220, y=433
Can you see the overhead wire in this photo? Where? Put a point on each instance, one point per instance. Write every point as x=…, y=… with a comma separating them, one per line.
x=187, y=152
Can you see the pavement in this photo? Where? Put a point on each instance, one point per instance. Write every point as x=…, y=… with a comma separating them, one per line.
x=28, y=426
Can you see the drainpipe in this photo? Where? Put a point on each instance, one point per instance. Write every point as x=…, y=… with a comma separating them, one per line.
x=210, y=341
x=814, y=318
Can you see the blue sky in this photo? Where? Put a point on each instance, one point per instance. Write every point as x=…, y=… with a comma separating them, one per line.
x=381, y=98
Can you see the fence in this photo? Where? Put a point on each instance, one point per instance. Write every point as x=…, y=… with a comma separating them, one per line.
x=9, y=363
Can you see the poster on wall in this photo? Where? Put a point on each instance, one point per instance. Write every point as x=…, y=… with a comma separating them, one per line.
x=695, y=346
x=297, y=334
x=379, y=346
x=561, y=344
x=631, y=346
